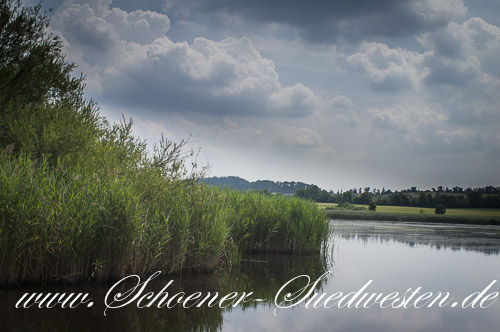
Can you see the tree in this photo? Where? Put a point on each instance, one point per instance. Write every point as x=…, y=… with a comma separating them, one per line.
x=346, y=197
x=422, y=200
x=474, y=198
x=32, y=66
x=440, y=209
x=43, y=110
x=372, y=206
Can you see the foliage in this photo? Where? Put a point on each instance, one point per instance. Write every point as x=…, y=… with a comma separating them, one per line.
x=43, y=111
x=346, y=206
x=235, y=182
x=32, y=66
x=59, y=224
x=486, y=197
x=440, y=209
x=372, y=206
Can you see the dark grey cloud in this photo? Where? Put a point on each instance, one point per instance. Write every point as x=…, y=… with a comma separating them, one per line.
x=175, y=77
x=325, y=21
x=130, y=61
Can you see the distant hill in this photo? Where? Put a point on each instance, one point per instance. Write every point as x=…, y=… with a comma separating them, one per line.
x=238, y=183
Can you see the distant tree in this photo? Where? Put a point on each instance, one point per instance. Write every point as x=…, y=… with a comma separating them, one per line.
x=265, y=192
x=474, y=198
x=430, y=200
x=372, y=206
x=422, y=200
x=346, y=197
x=440, y=209
x=383, y=201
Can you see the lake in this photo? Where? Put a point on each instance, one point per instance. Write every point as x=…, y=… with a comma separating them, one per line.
x=394, y=256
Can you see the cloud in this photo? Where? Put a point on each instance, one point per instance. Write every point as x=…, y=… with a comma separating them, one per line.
x=458, y=71
x=388, y=69
x=420, y=128
x=340, y=102
x=296, y=137
x=94, y=24
x=461, y=53
x=272, y=135
x=464, y=72
x=130, y=61
x=342, y=109
x=320, y=21
x=456, y=55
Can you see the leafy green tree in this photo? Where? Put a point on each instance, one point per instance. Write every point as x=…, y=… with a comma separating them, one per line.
x=372, y=206
x=32, y=66
x=43, y=110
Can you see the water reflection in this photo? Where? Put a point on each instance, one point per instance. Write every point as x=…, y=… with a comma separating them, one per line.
x=260, y=274
x=396, y=256
x=483, y=239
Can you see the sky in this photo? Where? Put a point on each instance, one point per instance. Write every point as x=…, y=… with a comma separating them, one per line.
x=341, y=94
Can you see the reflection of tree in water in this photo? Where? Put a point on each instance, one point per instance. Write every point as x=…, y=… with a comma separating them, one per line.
x=262, y=274
x=484, y=239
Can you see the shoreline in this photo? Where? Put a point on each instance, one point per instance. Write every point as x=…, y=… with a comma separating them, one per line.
x=407, y=217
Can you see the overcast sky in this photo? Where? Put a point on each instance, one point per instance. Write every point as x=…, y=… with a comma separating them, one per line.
x=342, y=94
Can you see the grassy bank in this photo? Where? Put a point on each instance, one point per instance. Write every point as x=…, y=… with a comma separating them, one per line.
x=414, y=214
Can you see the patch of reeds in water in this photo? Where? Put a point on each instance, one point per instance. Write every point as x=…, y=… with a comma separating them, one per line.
x=60, y=224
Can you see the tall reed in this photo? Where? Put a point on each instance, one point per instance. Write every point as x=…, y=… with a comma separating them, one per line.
x=70, y=223
x=56, y=224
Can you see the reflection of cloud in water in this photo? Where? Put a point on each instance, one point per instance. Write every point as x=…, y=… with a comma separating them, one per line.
x=484, y=239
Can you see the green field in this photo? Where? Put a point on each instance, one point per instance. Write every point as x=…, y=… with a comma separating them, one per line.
x=408, y=210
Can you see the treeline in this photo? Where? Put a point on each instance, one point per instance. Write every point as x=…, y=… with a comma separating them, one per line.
x=454, y=197
x=484, y=197
x=81, y=199
x=235, y=182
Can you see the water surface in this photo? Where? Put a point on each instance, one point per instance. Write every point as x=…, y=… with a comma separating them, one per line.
x=459, y=259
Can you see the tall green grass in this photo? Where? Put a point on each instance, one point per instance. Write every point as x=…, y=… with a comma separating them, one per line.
x=62, y=223
x=276, y=223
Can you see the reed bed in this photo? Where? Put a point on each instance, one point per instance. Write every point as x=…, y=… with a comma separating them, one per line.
x=60, y=224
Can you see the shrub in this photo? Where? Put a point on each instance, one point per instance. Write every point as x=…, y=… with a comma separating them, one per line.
x=440, y=209
x=372, y=206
